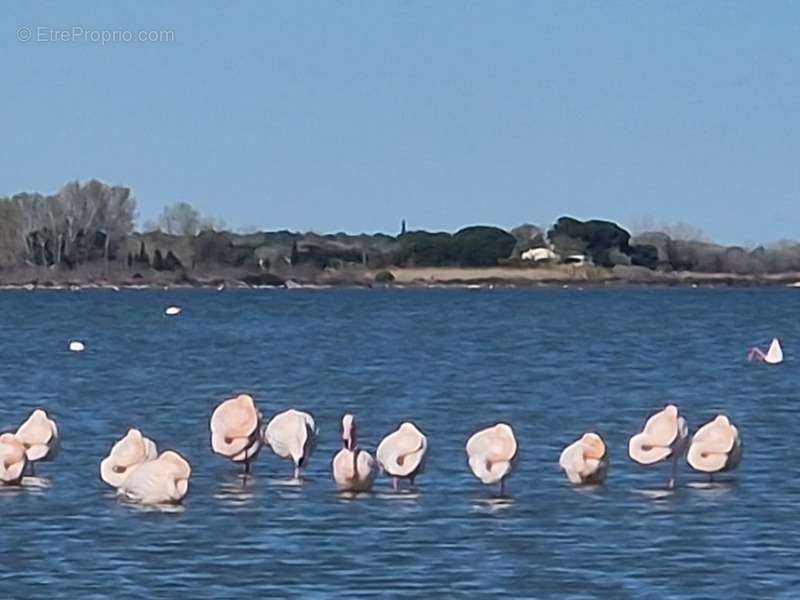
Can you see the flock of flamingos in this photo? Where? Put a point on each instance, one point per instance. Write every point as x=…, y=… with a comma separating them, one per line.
x=140, y=474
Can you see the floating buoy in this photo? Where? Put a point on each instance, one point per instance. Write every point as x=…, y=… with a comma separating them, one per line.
x=76, y=346
x=173, y=311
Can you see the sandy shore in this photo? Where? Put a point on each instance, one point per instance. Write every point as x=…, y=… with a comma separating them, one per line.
x=566, y=274
x=443, y=275
x=552, y=276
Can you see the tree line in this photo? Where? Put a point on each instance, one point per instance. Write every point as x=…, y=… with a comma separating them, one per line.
x=91, y=222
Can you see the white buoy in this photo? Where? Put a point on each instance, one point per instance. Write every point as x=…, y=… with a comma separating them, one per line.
x=76, y=346
x=173, y=311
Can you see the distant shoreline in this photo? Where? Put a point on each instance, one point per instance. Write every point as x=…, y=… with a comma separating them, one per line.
x=414, y=277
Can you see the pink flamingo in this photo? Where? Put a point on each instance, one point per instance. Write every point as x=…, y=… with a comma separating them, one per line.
x=353, y=469
x=773, y=356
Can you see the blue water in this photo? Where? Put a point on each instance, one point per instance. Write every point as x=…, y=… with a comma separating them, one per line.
x=553, y=363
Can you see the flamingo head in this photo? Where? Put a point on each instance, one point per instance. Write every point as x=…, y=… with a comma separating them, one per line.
x=349, y=431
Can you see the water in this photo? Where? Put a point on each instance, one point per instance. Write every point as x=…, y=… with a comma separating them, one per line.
x=553, y=363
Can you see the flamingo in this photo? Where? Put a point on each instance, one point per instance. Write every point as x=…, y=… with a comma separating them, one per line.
x=715, y=447
x=39, y=435
x=164, y=480
x=401, y=454
x=664, y=437
x=585, y=461
x=292, y=434
x=13, y=458
x=126, y=456
x=491, y=453
x=235, y=426
x=353, y=469
x=773, y=356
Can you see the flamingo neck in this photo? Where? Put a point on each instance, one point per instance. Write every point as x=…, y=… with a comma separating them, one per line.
x=355, y=464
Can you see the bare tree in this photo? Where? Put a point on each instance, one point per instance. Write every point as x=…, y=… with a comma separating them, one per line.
x=183, y=219
x=91, y=208
x=65, y=227
x=116, y=216
x=31, y=211
x=212, y=224
x=80, y=205
x=685, y=232
x=11, y=244
x=180, y=218
x=676, y=231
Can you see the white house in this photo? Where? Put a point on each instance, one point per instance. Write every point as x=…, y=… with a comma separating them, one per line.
x=538, y=254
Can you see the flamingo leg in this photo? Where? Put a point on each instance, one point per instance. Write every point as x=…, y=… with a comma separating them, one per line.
x=395, y=484
x=502, y=487
x=296, y=473
x=246, y=472
x=674, y=479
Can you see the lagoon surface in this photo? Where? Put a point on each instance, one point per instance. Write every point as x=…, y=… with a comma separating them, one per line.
x=552, y=362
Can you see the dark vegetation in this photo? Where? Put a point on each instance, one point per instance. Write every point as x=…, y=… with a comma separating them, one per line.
x=86, y=232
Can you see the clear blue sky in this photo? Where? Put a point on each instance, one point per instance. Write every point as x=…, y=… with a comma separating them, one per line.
x=353, y=115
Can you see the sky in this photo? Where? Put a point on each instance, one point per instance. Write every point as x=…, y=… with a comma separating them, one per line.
x=353, y=115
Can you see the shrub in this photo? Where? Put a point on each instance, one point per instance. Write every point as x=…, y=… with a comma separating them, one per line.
x=482, y=246
x=597, y=237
